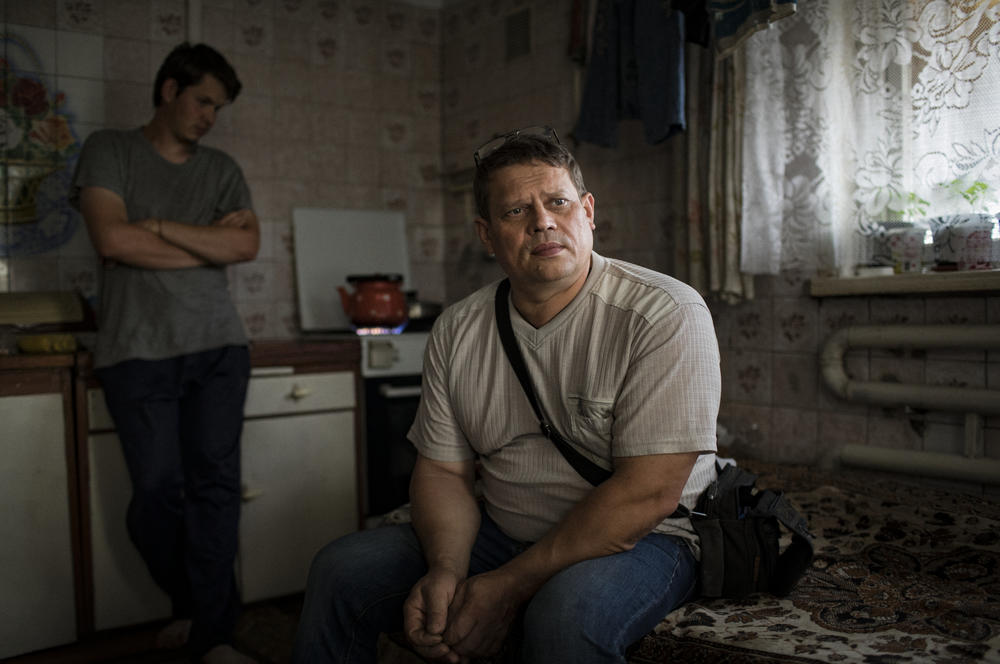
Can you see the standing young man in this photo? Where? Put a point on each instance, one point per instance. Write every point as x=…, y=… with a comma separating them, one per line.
x=166, y=216
x=625, y=365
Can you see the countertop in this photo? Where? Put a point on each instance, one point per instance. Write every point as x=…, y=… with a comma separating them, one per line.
x=337, y=352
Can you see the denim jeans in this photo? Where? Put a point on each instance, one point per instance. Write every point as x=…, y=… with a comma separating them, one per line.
x=589, y=612
x=179, y=421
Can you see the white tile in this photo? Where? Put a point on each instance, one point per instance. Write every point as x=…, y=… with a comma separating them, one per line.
x=84, y=98
x=79, y=54
x=31, y=49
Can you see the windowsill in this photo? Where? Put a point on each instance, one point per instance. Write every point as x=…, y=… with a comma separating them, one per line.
x=971, y=281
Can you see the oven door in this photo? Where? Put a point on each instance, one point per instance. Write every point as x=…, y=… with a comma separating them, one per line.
x=390, y=407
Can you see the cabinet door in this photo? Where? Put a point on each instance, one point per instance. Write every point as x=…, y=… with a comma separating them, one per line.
x=37, y=602
x=124, y=592
x=299, y=492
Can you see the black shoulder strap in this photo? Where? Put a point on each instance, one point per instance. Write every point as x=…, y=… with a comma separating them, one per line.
x=797, y=557
x=589, y=470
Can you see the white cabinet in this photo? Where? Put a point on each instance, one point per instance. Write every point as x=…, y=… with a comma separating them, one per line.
x=37, y=600
x=299, y=477
x=123, y=591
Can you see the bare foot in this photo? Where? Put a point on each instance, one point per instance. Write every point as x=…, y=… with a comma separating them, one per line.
x=174, y=635
x=226, y=654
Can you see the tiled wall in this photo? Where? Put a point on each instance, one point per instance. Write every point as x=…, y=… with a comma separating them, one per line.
x=340, y=108
x=363, y=103
x=776, y=404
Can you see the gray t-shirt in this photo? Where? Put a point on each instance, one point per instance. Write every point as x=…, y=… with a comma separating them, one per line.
x=157, y=314
x=629, y=368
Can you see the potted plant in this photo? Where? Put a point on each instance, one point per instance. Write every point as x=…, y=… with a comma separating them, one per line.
x=963, y=240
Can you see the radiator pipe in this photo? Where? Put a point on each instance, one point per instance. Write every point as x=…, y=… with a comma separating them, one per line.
x=930, y=397
x=927, y=464
x=975, y=402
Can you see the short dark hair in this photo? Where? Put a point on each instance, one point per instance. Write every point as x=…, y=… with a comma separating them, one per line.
x=187, y=64
x=522, y=149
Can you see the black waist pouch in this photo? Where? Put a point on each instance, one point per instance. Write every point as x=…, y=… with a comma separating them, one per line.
x=740, y=530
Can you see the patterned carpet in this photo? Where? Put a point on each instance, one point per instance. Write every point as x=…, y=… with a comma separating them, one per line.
x=902, y=573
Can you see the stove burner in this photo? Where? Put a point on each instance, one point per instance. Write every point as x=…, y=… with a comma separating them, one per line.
x=376, y=331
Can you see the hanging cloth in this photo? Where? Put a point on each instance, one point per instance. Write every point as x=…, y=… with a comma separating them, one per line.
x=735, y=20
x=636, y=70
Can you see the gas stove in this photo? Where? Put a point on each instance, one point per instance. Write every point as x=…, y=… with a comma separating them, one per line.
x=331, y=244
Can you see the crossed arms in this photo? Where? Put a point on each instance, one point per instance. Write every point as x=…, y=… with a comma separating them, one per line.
x=450, y=617
x=163, y=243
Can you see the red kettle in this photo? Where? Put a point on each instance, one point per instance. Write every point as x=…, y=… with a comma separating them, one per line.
x=377, y=300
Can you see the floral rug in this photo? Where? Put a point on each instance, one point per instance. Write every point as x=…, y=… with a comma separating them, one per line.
x=902, y=573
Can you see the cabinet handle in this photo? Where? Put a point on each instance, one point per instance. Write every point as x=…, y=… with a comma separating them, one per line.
x=299, y=392
x=247, y=494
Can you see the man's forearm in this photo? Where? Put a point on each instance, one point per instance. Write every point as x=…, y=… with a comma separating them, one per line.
x=220, y=245
x=611, y=519
x=140, y=246
x=445, y=516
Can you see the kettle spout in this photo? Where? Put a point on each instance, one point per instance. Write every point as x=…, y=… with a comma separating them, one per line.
x=346, y=301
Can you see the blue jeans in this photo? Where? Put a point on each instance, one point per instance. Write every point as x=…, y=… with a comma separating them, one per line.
x=589, y=612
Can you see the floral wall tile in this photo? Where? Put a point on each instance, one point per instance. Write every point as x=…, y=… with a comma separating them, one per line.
x=396, y=133
x=956, y=373
x=896, y=310
x=254, y=34
x=330, y=10
x=747, y=376
x=795, y=323
x=956, y=311
x=427, y=244
x=837, y=313
x=892, y=366
x=168, y=21
x=751, y=325
x=795, y=380
x=298, y=10
x=258, y=7
x=252, y=282
x=80, y=275
x=398, y=18
x=426, y=25
x=81, y=15
x=256, y=318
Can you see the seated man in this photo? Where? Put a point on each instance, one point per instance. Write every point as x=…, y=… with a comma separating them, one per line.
x=625, y=365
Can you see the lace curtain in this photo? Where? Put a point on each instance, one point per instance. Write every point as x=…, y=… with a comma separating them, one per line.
x=861, y=111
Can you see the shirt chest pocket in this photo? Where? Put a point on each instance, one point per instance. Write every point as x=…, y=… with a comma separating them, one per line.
x=590, y=419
